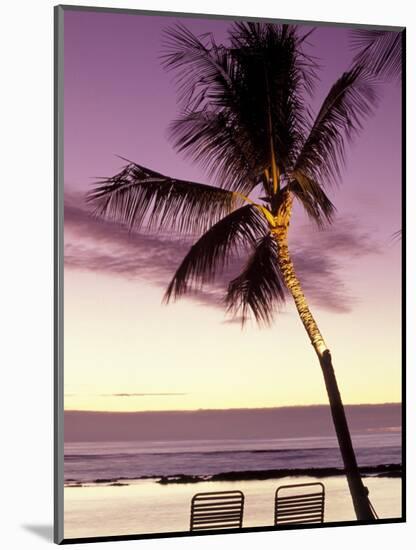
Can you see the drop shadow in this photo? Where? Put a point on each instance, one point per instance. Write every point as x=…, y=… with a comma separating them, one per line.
x=45, y=532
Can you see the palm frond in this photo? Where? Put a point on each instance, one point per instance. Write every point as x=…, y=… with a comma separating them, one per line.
x=312, y=197
x=212, y=251
x=349, y=102
x=271, y=40
x=380, y=50
x=203, y=69
x=140, y=197
x=236, y=101
x=224, y=151
x=275, y=77
x=397, y=235
x=206, y=77
x=260, y=287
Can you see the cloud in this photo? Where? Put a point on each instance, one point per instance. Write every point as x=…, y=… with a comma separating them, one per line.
x=320, y=261
x=165, y=394
x=99, y=245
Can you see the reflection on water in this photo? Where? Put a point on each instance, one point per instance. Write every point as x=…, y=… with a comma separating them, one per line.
x=147, y=507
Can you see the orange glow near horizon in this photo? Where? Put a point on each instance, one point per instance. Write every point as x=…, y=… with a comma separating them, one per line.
x=119, y=339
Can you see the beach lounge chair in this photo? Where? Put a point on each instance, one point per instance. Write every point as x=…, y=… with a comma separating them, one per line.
x=292, y=506
x=217, y=510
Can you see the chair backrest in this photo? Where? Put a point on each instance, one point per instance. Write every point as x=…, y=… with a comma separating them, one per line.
x=217, y=510
x=292, y=506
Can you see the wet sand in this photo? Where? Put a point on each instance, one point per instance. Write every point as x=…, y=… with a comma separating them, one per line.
x=144, y=506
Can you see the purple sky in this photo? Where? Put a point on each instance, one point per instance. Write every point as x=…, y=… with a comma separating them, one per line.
x=119, y=101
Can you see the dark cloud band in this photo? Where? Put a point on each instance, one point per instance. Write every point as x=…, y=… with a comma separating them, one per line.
x=103, y=246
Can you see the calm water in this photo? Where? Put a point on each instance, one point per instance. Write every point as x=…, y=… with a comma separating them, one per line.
x=139, y=506
x=145, y=506
x=87, y=462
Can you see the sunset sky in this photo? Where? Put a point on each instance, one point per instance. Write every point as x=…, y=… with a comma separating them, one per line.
x=124, y=350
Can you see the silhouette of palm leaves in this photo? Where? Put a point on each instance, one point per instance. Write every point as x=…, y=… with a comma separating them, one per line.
x=239, y=104
x=380, y=50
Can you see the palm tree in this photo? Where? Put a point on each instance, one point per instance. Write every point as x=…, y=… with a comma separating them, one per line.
x=382, y=51
x=379, y=49
x=244, y=117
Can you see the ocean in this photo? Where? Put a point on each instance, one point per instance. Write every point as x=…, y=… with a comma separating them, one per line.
x=89, y=462
x=136, y=473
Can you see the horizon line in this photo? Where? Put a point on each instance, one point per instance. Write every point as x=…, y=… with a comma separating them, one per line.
x=385, y=403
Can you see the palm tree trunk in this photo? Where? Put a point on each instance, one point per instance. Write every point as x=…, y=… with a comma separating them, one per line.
x=359, y=492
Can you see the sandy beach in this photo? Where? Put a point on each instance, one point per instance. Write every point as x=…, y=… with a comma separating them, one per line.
x=145, y=506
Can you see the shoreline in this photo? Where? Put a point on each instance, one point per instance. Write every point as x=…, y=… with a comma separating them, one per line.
x=381, y=470
x=137, y=507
